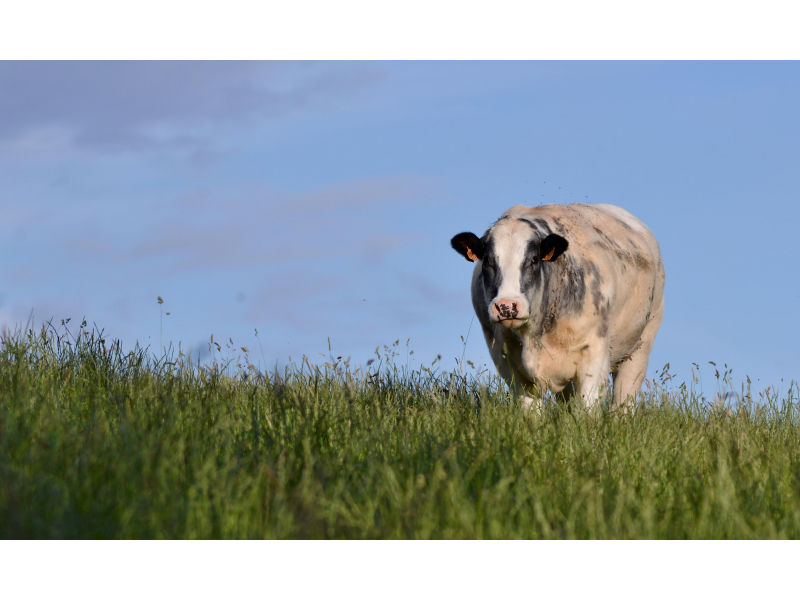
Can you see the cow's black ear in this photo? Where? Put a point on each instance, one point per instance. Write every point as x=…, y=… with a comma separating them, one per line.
x=468, y=245
x=553, y=246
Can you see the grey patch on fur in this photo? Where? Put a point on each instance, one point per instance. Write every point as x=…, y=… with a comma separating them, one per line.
x=597, y=281
x=559, y=227
x=564, y=290
x=604, y=318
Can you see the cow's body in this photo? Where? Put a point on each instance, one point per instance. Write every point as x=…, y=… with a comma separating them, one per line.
x=568, y=293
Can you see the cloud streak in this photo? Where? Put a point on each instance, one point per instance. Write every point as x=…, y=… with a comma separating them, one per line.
x=267, y=227
x=146, y=105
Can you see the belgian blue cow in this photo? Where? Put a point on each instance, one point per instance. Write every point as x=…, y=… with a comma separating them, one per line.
x=567, y=294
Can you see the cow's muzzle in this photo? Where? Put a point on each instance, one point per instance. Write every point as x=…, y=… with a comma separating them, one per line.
x=508, y=313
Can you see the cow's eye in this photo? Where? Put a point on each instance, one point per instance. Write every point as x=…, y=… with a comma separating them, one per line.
x=535, y=261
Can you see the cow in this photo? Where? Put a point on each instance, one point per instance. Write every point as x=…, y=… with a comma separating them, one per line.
x=565, y=295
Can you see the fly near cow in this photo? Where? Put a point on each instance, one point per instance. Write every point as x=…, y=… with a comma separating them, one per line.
x=566, y=295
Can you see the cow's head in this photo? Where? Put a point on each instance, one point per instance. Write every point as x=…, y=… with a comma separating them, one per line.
x=514, y=256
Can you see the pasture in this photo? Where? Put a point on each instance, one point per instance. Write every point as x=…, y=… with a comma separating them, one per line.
x=100, y=442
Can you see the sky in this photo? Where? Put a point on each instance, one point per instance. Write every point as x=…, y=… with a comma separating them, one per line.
x=316, y=200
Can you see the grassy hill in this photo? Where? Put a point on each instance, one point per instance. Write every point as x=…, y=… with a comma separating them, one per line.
x=97, y=442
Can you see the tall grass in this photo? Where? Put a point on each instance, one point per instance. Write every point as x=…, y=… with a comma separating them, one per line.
x=97, y=442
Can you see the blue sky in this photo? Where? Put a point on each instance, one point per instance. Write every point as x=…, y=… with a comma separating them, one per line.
x=316, y=200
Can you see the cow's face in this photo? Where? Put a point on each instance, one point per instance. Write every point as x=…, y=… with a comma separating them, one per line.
x=513, y=256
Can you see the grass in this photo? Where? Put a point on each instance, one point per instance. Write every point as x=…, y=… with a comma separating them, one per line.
x=96, y=442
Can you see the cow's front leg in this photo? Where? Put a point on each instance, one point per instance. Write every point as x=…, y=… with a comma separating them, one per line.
x=592, y=375
x=528, y=392
x=531, y=403
x=530, y=395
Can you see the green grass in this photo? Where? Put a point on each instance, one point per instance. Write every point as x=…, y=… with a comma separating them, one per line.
x=96, y=442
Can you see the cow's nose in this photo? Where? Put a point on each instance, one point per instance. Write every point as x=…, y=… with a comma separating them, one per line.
x=506, y=309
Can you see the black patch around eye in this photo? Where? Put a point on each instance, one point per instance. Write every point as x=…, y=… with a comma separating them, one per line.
x=492, y=277
x=530, y=273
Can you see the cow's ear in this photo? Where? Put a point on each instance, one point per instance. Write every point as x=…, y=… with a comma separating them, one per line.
x=553, y=246
x=468, y=245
